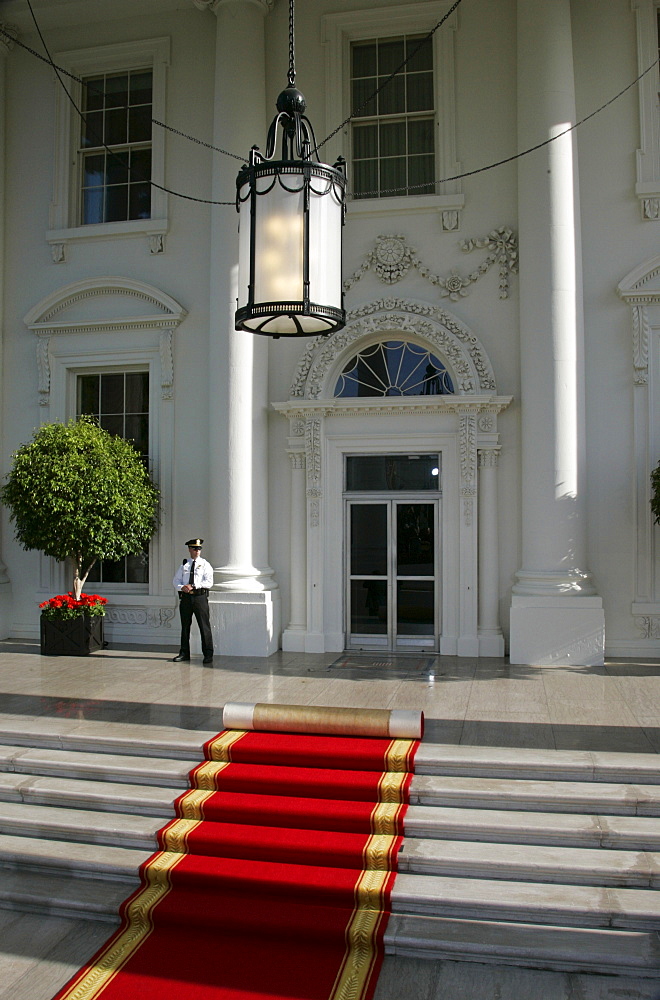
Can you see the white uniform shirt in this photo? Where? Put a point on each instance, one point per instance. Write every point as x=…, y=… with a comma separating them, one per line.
x=203, y=574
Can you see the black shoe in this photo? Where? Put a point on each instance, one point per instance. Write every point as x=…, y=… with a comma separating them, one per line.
x=208, y=659
x=180, y=657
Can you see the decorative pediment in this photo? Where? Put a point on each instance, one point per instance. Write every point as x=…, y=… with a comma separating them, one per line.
x=107, y=302
x=642, y=285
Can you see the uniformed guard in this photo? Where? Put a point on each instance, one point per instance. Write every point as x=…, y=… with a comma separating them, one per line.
x=192, y=581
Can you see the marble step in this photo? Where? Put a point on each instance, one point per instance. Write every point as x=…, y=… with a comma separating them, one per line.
x=529, y=863
x=74, y=793
x=430, y=790
x=533, y=902
x=432, y=758
x=522, y=762
x=634, y=833
x=553, y=904
x=104, y=859
x=559, y=948
x=96, y=766
x=534, y=795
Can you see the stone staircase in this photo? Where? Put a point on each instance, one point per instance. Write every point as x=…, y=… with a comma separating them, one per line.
x=546, y=859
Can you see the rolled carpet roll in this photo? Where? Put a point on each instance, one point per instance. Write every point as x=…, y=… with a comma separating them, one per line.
x=394, y=723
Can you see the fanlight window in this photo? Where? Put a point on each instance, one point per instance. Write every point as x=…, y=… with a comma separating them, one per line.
x=394, y=368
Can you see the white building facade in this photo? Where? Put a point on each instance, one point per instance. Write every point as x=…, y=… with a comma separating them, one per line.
x=464, y=468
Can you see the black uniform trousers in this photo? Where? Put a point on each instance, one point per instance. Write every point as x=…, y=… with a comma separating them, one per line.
x=197, y=605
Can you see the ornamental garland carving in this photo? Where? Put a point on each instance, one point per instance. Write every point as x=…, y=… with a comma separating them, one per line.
x=444, y=334
x=392, y=257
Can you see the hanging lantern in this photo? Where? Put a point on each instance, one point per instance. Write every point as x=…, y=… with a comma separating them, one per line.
x=291, y=213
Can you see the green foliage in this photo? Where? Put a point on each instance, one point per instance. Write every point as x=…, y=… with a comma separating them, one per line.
x=655, y=499
x=77, y=492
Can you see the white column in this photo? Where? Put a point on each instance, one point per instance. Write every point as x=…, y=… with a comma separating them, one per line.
x=491, y=640
x=555, y=617
x=245, y=606
x=293, y=637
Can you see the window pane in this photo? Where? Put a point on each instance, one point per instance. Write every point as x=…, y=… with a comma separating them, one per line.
x=116, y=91
x=93, y=129
x=420, y=172
x=364, y=59
x=369, y=607
x=88, y=394
x=369, y=539
x=365, y=178
x=137, y=392
x=136, y=430
x=391, y=472
x=139, y=124
x=113, y=572
x=420, y=92
x=141, y=165
x=393, y=177
x=117, y=166
x=112, y=393
x=92, y=211
x=414, y=602
x=140, y=88
x=116, y=129
x=390, y=55
x=94, y=169
x=116, y=203
x=392, y=98
x=420, y=135
x=362, y=91
x=393, y=139
x=93, y=94
x=137, y=568
x=365, y=141
x=415, y=539
x=421, y=52
x=113, y=425
x=139, y=206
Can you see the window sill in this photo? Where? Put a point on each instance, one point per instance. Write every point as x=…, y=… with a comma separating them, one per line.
x=154, y=230
x=448, y=206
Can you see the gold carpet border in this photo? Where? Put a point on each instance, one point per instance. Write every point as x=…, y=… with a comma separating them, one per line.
x=377, y=852
x=391, y=786
x=354, y=974
x=205, y=775
x=175, y=836
x=191, y=805
x=219, y=748
x=397, y=755
x=139, y=925
x=385, y=817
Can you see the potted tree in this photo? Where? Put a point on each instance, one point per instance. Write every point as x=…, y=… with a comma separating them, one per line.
x=79, y=494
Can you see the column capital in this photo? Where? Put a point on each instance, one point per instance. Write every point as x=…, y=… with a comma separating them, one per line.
x=265, y=6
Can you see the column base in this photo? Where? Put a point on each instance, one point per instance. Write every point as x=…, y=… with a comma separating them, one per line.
x=245, y=624
x=557, y=630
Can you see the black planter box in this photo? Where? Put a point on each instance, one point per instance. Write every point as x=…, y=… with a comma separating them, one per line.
x=71, y=636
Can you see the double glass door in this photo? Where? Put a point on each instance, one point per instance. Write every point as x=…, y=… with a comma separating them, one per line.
x=393, y=573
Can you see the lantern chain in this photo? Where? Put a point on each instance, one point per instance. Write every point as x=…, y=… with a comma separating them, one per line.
x=292, y=45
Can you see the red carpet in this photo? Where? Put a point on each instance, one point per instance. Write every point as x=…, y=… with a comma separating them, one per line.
x=272, y=883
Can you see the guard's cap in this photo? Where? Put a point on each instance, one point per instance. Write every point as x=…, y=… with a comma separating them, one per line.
x=195, y=541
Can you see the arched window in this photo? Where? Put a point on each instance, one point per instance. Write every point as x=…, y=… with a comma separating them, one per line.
x=394, y=368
